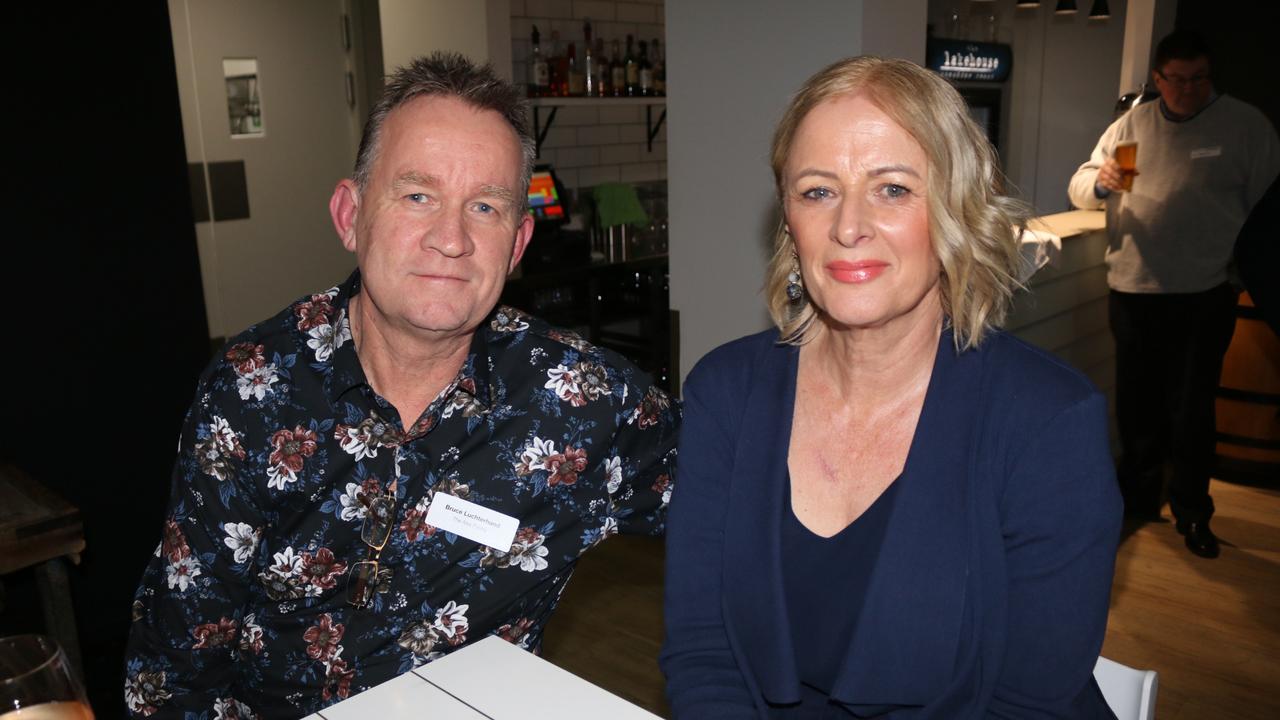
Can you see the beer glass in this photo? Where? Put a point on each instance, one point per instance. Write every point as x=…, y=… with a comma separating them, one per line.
x=1127, y=159
x=37, y=682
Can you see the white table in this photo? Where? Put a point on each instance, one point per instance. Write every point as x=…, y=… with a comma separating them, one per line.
x=490, y=679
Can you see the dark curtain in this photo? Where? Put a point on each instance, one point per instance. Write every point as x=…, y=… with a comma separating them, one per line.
x=105, y=331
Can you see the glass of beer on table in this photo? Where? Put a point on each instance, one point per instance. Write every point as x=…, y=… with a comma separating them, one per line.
x=37, y=682
x=1127, y=159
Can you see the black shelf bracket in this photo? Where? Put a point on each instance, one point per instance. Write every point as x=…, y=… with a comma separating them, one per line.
x=540, y=131
x=650, y=127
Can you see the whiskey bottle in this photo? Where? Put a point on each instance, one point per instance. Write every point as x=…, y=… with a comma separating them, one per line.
x=617, y=73
x=577, y=82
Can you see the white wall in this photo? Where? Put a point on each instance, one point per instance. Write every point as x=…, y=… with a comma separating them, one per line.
x=1062, y=89
x=1145, y=23
x=895, y=29
x=732, y=66
x=415, y=27
x=1078, y=71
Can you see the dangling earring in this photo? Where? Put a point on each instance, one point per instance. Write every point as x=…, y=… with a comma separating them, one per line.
x=794, y=289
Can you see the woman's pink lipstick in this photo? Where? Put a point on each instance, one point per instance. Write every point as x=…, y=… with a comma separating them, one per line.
x=856, y=272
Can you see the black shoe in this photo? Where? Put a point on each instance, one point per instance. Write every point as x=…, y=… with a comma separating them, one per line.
x=1200, y=539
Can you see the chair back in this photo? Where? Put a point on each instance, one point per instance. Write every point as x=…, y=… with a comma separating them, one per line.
x=1130, y=693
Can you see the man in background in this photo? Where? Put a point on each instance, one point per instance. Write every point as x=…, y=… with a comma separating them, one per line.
x=1203, y=160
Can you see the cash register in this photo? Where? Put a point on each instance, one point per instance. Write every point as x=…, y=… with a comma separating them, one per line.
x=556, y=243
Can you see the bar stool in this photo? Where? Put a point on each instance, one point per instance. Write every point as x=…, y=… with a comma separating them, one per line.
x=39, y=528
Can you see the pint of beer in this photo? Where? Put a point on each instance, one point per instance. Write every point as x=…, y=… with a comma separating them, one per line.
x=1127, y=159
x=37, y=682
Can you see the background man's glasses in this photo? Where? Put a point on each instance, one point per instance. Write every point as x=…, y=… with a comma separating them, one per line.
x=366, y=577
x=1182, y=82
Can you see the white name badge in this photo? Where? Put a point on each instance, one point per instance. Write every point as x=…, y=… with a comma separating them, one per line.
x=1206, y=152
x=472, y=521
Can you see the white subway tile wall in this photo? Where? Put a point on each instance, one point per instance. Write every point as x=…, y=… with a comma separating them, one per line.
x=589, y=145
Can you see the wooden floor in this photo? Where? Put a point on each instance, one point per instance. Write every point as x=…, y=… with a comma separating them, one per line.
x=1211, y=628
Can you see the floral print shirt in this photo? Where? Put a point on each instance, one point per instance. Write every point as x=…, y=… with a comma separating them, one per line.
x=243, y=610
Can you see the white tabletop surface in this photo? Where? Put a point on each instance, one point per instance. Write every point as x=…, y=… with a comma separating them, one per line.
x=489, y=679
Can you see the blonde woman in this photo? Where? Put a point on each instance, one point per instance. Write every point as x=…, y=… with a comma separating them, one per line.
x=887, y=506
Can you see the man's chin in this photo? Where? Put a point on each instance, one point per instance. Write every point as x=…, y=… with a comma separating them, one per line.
x=446, y=323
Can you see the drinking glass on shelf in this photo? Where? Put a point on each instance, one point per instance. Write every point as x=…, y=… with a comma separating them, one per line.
x=37, y=682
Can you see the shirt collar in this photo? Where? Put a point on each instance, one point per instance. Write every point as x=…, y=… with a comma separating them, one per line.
x=472, y=380
x=346, y=370
x=1171, y=117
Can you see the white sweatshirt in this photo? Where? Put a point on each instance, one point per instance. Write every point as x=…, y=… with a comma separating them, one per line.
x=1198, y=180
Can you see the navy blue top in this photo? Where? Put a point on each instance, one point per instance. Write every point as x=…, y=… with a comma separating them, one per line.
x=990, y=590
x=823, y=623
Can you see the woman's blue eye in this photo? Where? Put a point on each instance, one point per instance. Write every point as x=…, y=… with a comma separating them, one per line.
x=817, y=193
x=895, y=191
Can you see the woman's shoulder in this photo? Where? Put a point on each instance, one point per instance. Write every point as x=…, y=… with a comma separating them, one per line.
x=738, y=358
x=739, y=354
x=1024, y=375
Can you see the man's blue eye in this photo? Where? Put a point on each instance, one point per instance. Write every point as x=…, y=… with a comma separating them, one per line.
x=416, y=197
x=484, y=207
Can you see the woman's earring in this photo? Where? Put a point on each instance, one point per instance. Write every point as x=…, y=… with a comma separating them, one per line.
x=794, y=290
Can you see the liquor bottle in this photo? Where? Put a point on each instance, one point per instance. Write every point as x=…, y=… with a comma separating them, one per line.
x=632, y=69
x=577, y=82
x=659, y=69
x=646, y=71
x=602, y=69
x=589, y=72
x=539, y=80
x=617, y=72
x=558, y=66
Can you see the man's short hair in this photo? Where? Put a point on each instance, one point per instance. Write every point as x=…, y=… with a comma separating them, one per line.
x=448, y=74
x=1181, y=45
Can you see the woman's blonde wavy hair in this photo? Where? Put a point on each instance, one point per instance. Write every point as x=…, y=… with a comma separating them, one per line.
x=973, y=227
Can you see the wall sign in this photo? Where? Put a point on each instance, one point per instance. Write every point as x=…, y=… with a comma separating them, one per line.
x=244, y=107
x=963, y=60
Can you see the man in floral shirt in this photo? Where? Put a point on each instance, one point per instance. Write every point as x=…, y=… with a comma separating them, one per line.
x=392, y=468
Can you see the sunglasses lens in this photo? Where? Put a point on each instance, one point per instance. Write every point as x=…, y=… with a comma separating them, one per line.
x=378, y=519
x=362, y=582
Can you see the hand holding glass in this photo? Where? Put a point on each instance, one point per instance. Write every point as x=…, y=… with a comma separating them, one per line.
x=1127, y=159
x=37, y=682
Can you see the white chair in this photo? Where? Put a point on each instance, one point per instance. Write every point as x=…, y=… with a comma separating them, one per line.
x=1130, y=693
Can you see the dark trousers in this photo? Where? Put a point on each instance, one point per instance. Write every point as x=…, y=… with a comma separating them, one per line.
x=1169, y=350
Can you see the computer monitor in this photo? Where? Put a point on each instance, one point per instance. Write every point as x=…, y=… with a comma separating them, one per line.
x=546, y=204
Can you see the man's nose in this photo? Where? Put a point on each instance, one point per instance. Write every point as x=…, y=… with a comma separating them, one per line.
x=449, y=235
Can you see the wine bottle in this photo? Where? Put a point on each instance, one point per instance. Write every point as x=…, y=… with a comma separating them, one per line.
x=589, y=72
x=539, y=80
x=646, y=71
x=632, y=69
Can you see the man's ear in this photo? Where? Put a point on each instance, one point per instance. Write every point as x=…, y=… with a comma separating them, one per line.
x=344, y=208
x=524, y=233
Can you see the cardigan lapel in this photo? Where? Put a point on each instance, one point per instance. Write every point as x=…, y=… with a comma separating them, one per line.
x=754, y=606
x=906, y=639
x=907, y=636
